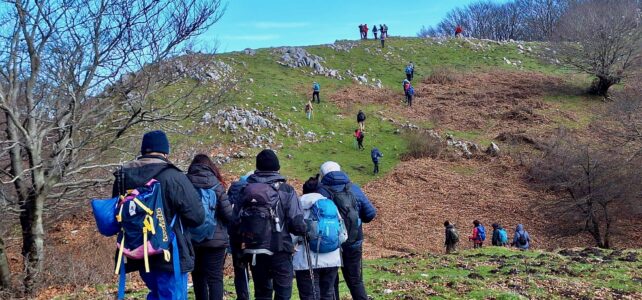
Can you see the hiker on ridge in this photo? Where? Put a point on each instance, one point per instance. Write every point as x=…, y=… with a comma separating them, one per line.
x=322, y=251
x=479, y=234
x=452, y=237
x=500, y=237
x=316, y=88
x=361, y=119
x=458, y=31
x=240, y=265
x=383, y=39
x=181, y=204
x=265, y=226
x=355, y=208
x=375, y=154
x=210, y=239
x=361, y=31
x=374, y=31
x=365, y=31
x=521, y=239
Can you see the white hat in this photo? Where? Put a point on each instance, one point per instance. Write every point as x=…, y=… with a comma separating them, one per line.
x=329, y=166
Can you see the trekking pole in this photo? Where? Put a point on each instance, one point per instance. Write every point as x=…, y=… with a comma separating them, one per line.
x=306, y=244
x=247, y=281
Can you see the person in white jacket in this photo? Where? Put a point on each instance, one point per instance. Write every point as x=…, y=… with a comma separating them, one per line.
x=325, y=265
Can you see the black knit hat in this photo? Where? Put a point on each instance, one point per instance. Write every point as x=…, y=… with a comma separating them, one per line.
x=155, y=141
x=266, y=160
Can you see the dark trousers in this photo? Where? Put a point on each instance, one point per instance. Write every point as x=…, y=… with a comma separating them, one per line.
x=412, y=75
x=409, y=77
x=360, y=143
x=375, y=34
x=383, y=43
x=273, y=274
x=352, y=273
x=409, y=99
x=316, y=94
x=324, y=279
x=376, y=167
x=208, y=273
x=241, y=278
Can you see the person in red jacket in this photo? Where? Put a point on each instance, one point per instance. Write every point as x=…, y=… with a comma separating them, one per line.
x=479, y=234
x=458, y=31
x=365, y=31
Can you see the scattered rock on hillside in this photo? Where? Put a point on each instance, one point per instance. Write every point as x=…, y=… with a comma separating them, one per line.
x=343, y=45
x=249, y=51
x=199, y=67
x=296, y=57
x=493, y=150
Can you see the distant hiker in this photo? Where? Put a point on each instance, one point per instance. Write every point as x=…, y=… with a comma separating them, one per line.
x=321, y=248
x=479, y=234
x=267, y=213
x=365, y=31
x=521, y=239
x=210, y=239
x=385, y=30
x=358, y=134
x=308, y=109
x=405, y=84
x=361, y=119
x=374, y=31
x=500, y=236
x=241, y=270
x=410, y=92
x=164, y=273
x=452, y=237
x=458, y=31
x=409, y=71
x=383, y=40
x=375, y=154
x=361, y=31
x=316, y=88
x=412, y=70
x=355, y=208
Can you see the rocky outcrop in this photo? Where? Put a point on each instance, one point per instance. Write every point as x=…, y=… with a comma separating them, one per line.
x=295, y=57
x=199, y=67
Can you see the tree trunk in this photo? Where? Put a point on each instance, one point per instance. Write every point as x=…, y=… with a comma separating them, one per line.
x=32, y=240
x=601, y=86
x=5, y=273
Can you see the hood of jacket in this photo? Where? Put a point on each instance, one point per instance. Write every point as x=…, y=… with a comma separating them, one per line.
x=202, y=176
x=138, y=172
x=520, y=228
x=308, y=200
x=268, y=177
x=335, y=178
x=451, y=226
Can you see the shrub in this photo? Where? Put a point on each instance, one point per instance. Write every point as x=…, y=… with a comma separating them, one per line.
x=443, y=76
x=424, y=144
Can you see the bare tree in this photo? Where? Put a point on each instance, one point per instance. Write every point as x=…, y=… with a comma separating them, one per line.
x=602, y=38
x=62, y=107
x=596, y=186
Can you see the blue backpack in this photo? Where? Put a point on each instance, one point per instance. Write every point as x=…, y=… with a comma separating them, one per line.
x=408, y=70
x=324, y=227
x=481, y=232
x=411, y=91
x=206, y=230
x=503, y=236
x=316, y=87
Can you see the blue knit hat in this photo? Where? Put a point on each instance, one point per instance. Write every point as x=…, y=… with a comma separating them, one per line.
x=155, y=141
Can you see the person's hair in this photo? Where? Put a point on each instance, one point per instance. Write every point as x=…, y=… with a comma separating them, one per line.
x=311, y=185
x=476, y=223
x=446, y=223
x=495, y=225
x=203, y=159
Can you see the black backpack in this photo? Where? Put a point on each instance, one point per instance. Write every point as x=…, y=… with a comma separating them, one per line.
x=521, y=239
x=346, y=202
x=259, y=216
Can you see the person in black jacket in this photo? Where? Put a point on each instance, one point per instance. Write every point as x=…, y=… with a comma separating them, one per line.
x=241, y=276
x=180, y=199
x=361, y=119
x=210, y=253
x=273, y=272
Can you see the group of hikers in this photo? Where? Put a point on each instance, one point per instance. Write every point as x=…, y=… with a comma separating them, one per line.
x=521, y=238
x=382, y=30
x=169, y=224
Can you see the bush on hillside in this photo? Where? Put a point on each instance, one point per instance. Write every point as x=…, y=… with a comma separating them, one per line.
x=423, y=144
x=442, y=75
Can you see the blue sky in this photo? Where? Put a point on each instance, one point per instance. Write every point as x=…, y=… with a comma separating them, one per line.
x=269, y=23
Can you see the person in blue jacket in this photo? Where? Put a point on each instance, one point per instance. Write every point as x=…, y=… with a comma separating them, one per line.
x=521, y=240
x=375, y=154
x=334, y=180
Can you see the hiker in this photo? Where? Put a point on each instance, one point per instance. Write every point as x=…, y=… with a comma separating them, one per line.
x=500, y=237
x=412, y=70
x=374, y=31
x=361, y=119
x=241, y=271
x=405, y=84
x=355, y=209
x=358, y=134
x=181, y=208
x=521, y=239
x=452, y=237
x=458, y=31
x=383, y=39
x=409, y=71
x=210, y=239
x=361, y=31
x=321, y=252
x=365, y=31
x=375, y=154
x=315, y=91
x=268, y=211
x=308, y=109
x=385, y=29
x=410, y=92
x=479, y=234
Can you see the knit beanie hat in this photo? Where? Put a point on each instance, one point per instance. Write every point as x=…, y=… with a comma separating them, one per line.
x=155, y=141
x=329, y=166
x=267, y=160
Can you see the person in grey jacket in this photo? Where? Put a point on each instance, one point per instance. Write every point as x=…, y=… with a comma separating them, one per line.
x=521, y=239
x=325, y=265
x=211, y=252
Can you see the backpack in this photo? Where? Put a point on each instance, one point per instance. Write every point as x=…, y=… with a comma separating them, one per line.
x=346, y=202
x=324, y=227
x=454, y=235
x=503, y=236
x=206, y=230
x=411, y=91
x=521, y=239
x=481, y=232
x=408, y=70
x=307, y=107
x=259, y=217
x=316, y=87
